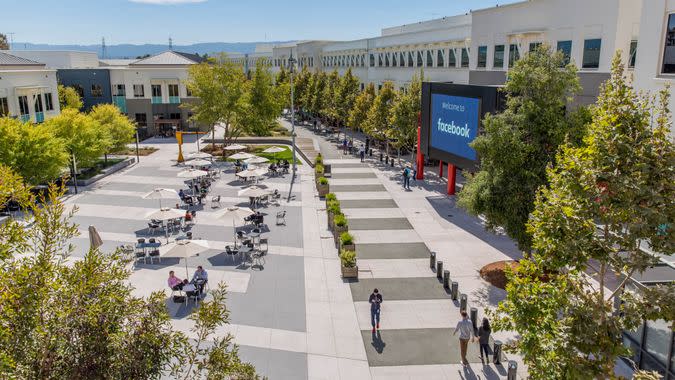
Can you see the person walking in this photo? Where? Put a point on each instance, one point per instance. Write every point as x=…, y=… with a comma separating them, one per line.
x=375, y=301
x=362, y=153
x=344, y=146
x=484, y=339
x=406, y=178
x=465, y=329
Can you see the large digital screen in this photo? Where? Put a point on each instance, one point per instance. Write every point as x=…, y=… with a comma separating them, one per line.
x=454, y=124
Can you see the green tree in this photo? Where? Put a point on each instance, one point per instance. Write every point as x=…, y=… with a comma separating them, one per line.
x=518, y=144
x=120, y=129
x=64, y=319
x=81, y=135
x=301, y=83
x=282, y=88
x=317, y=92
x=304, y=95
x=31, y=150
x=4, y=45
x=605, y=198
x=359, y=112
x=405, y=114
x=345, y=96
x=262, y=106
x=329, y=95
x=377, y=121
x=69, y=98
x=220, y=85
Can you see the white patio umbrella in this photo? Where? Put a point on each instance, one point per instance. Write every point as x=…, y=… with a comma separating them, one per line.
x=241, y=156
x=234, y=147
x=161, y=193
x=234, y=214
x=253, y=191
x=166, y=214
x=95, y=240
x=192, y=173
x=274, y=149
x=256, y=160
x=199, y=162
x=194, y=155
x=186, y=248
x=247, y=173
x=259, y=172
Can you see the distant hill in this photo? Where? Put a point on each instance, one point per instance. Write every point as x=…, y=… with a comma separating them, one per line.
x=133, y=51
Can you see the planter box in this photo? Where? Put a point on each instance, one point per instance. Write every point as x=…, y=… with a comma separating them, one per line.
x=104, y=173
x=322, y=189
x=350, y=272
x=330, y=220
x=349, y=247
x=337, y=231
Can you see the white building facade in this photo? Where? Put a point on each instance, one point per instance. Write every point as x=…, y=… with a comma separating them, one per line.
x=28, y=90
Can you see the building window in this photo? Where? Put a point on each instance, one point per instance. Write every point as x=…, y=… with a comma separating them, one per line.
x=156, y=90
x=79, y=89
x=142, y=119
x=669, y=49
x=188, y=92
x=498, y=59
x=174, y=116
x=96, y=90
x=401, y=59
x=534, y=46
x=482, y=57
x=394, y=62
x=380, y=60
x=513, y=54
x=632, y=54
x=23, y=105
x=420, y=62
x=410, y=59
x=173, y=90
x=119, y=90
x=139, y=91
x=452, y=60
x=38, y=104
x=372, y=60
x=465, y=57
x=49, y=102
x=430, y=59
x=440, y=62
x=566, y=48
x=386, y=60
x=591, y=58
x=4, y=107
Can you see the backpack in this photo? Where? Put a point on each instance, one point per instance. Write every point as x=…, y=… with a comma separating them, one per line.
x=406, y=173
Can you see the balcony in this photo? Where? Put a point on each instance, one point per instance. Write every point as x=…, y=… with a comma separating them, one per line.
x=156, y=100
x=121, y=102
x=25, y=118
x=174, y=99
x=39, y=117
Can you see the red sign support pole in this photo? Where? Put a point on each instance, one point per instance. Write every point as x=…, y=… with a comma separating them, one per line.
x=452, y=177
x=420, y=156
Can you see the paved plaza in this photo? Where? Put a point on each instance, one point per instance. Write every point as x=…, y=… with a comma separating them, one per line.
x=294, y=317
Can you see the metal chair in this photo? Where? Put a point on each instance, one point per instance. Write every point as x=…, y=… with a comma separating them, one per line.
x=231, y=252
x=261, y=242
x=215, y=200
x=154, y=253
x=152, y=227
x=281, y=218
x=257, y=259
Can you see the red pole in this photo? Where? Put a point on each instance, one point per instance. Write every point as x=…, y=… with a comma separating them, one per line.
x=452, y=176
x=420, y=156
x=440, y=169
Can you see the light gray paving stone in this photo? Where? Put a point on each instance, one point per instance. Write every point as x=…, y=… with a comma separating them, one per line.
x=356, y=188
x=380, y=224
x=275, y=364
x=348, y=165
x=411, y=288
x=352, y=175
x=392, y=251
x=368, y=203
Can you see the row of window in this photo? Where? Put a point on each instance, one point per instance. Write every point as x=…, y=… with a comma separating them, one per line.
x=155, y=89
x=24, y=110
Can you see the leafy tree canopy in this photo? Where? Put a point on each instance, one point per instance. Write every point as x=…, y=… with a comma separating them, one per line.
x=69, y=98
x=120, y=129
x=81, y=135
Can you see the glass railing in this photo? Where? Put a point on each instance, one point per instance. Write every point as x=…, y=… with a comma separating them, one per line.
x=39, y=117
x=121, y=102
x=25, y=118
x=156, y=100
x=174, y=99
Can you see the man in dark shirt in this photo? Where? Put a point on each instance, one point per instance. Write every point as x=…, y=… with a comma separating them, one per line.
x=375, y=300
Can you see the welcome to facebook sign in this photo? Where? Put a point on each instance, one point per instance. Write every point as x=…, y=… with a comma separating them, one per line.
x=454, y=124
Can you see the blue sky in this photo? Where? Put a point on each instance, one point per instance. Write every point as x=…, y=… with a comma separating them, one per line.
x=192, y=21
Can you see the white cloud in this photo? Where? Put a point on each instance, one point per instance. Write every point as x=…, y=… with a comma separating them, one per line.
x=167, y=2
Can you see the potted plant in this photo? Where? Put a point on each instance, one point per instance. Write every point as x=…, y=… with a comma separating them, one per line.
x=332, y=209
x=322, y=186
x=348, y=264
x=347, y=242
x=340, y=226
x=318, y=160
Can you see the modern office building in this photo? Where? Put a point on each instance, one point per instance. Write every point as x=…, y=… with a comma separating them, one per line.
x=28, y=90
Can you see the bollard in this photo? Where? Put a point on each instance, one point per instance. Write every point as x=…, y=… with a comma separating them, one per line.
x=439, y=269
x=432, y=260
x=392, y=161
x=371, y=152
x=462, y=302
x=511, y=371
x=474, y=318
x=189, y=235
x=497, y=352
x=446, y=279
x=454, y=290
x=381, y=157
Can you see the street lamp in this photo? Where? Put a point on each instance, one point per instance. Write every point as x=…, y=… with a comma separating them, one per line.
x=291, y=62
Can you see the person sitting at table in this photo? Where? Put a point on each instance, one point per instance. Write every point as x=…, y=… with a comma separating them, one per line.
x=174, y=282
x=200, y=278
x=181, y=194
x=188, y=216
x=189, y=289
x=244, y=165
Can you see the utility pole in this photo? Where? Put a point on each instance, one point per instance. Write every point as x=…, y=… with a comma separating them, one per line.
x=103, y=48
x=170, y=43
x=291, y=62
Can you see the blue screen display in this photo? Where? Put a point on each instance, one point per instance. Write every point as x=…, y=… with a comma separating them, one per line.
x=454, y=124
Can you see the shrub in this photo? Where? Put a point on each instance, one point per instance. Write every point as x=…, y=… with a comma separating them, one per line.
x=334, y=207
x=340, y=220
x=346, y=238
x=318, y=160
x=348, y=259
x=323, y=181
x=318, y=169
x=330, y=197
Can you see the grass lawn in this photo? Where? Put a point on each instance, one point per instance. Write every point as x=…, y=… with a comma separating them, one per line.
x=98, y=167
x=145, y=151
x=273, y=157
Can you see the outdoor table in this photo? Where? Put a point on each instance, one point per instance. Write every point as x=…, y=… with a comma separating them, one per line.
x=246, y=250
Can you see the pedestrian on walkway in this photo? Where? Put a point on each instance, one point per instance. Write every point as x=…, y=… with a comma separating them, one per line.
x=484, y=339
x=344, y=146
x=406, y=177
x=362, y=152
x=465, y=329
x=375, y=300
x=367, y=144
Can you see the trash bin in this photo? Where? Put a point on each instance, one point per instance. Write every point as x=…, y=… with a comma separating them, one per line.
x=511, y=371
x=497, y=352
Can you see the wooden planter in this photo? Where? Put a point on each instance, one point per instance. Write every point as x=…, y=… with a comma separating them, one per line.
x=322, y=189
x=350, y=247
x=350, y=272
x=330, y=220
x=337, y=231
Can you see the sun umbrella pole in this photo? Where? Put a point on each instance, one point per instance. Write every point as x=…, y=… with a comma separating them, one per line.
x=187, y=275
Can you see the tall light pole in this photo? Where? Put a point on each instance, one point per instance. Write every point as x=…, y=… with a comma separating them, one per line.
x=291, y=62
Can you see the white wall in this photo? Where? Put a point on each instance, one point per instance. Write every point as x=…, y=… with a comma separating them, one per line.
x=60, y=59
x=31, y=83
x=129, y=76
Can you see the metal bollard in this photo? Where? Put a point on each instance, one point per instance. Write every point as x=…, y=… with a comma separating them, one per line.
x=446, y=279
x=473, y=314
x=497, y=352
x=454, y=290
x=432, y=260
x=392, y=161
x=381, y=157
x=439, y=269
x=462, y=302
x=511, y=371
x=371, y=152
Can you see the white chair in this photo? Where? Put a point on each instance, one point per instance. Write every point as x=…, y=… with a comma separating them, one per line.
x=215, y=200
x=281, y=218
